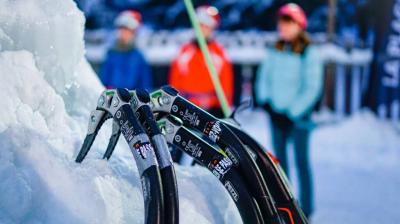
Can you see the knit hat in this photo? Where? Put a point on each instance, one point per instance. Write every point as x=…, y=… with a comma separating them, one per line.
x=295, y=12
x=129, y=19
x=208, y=15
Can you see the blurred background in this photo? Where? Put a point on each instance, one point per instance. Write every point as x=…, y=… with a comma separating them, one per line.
x=355, y=144
x=345, y=29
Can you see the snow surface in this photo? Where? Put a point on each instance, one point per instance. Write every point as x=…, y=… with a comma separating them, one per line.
x=355, y=166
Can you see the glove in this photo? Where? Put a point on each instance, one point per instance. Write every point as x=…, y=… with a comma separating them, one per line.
x=278, y=119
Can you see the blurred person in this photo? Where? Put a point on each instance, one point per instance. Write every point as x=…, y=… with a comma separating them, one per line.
x=125, y=66
x=189, y=73
x=288, y=85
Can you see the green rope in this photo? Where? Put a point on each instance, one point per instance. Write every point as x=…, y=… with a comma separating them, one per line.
x=206, y=54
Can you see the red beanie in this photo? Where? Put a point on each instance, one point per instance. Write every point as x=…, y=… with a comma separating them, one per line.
x=295, y=12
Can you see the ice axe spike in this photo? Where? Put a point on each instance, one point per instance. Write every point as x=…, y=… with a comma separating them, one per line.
x=97, y=119
x=113, y=141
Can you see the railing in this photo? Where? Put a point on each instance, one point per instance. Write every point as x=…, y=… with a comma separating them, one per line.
x=346, y=76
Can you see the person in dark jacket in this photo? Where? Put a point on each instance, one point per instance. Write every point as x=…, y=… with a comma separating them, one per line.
x=289, y=84
x=125, y=66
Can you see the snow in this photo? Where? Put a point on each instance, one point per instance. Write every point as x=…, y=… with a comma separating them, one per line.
x=48, y=90
x=355, y=165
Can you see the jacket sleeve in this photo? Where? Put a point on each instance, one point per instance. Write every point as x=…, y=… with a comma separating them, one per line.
x=146, y=77
x=262, y=83
x=312, y=82
x=105, y=72
x=174, y=75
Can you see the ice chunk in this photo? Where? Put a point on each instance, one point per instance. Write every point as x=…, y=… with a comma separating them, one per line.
x=53, y=32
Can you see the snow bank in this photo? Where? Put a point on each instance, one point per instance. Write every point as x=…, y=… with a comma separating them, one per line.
x=48, y=90
x=355, y=165
x=362, y=141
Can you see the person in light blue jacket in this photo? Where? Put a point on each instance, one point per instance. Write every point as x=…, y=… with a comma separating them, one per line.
x=288, y=86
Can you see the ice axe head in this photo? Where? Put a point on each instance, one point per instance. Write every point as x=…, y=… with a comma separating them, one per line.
x=137, y=99
x=169, y=125
x=162, y=99
x=96, y=120
x=107, y=104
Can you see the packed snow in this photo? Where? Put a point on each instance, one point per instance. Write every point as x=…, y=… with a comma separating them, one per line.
x=48, y=90
x=355, y=164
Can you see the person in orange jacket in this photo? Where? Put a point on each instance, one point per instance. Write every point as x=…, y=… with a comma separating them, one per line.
x=189, y=73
